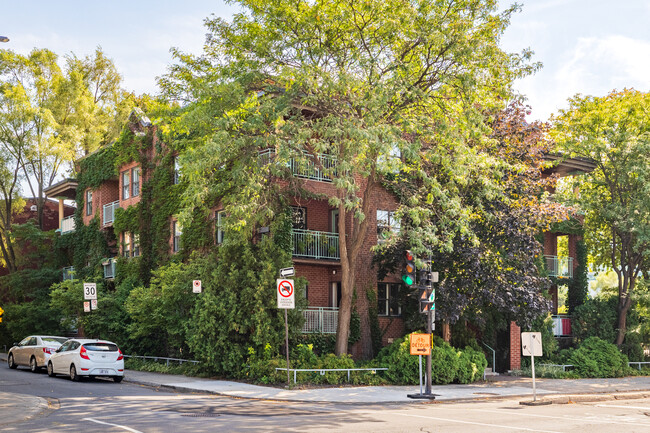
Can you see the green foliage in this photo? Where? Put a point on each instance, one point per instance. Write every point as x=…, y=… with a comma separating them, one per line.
x=320, y=343
x=598, y=358
x=579, y=285
x=376, y=334
x=448, y=364
x=595, y=318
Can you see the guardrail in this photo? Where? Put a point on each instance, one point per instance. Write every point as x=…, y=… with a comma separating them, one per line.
x=156, y=358
x=638, y=362
x=315, y=244
x=562, y=366
x=324, y=370
x=559, y=267
x=109, y=212
x=321, y=320
x=67, y=225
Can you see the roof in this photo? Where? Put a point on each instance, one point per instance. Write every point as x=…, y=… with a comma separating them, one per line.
x=67, y=188
x=565, y=166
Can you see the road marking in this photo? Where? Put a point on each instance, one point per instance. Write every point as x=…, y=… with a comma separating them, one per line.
x=478, y=423
x=623, y=406
x=113, y=425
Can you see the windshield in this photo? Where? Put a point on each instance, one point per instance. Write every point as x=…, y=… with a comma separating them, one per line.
x=101, y=347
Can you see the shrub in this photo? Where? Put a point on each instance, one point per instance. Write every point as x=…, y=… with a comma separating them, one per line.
x=598, y=358
x=402, y=366
x=444, y=361
x=471, y=365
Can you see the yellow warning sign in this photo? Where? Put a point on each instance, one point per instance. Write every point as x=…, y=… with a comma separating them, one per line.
x=420, y=344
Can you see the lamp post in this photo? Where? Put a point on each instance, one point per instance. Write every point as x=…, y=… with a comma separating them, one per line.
x=4, y=39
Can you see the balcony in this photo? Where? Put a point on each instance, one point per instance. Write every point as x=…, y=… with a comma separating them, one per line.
x=305, y=169
x=313, y=244
x=109, y=268
x=559, y=267
x=68, y=273
x=320, y=320
x=67, y=225
x=109, y=213
x=561, y=326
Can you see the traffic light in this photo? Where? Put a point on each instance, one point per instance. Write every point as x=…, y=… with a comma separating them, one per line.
x=409, y=269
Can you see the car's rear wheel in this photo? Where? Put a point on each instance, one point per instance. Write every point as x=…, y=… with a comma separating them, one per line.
x=11, y=362
x=50, y=370
x=32, y=365
x=73, y=374
x=118, y=379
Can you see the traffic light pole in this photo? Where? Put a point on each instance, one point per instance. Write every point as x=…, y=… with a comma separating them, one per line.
x=427, y=390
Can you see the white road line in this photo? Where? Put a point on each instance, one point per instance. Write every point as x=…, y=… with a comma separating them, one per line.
x=114, y=425
x=567, y=417
x=624, y=407
x=477, y=423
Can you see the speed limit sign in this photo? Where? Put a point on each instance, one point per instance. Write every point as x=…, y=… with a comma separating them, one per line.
x=90, y=291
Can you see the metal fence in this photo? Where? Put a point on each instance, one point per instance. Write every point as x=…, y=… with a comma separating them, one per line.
x=314, y=244
x=109, y=212
x=305, y=168
x=320, y=320
x=559, y=267
x=67, y=225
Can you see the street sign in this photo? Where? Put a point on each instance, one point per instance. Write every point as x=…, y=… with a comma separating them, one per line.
x=286, y=298
x=434, y=277
x=196, y=286
x=90, y=291
x=531, y=343
x=86, y=306
x=432, y=296
x=93, y=304
x=420, y=344
x=287, y=272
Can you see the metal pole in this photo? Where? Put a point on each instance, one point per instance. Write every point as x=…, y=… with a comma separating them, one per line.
x=532, y=363
x=420, y=356
x=429, y=331
x=286, y=342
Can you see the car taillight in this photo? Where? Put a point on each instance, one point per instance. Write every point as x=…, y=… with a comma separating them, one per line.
x=120, y=356
x=48, y=350
x=83, y=353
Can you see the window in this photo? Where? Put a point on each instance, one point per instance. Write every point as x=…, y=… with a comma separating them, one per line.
x=219, y=217
x=125, y=184
x=388, y=303
x=299, y=217
x=178, y=230
x=136, y=245
x=135, y=181
x=387, y=224
x=126, y=245
x=177, y=171
x=89, y=202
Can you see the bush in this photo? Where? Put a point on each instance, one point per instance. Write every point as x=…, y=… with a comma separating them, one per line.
x=598, y=358
x=471, y=365
x=444, y=361
x=402, y=366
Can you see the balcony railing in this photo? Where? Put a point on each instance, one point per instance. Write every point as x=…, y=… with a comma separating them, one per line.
x=109, y=212
x=68, y=273
x=315, y=245
x=559, y=267
x=109, y=268
x=320, y=320
x=67, y=225
x=561, y=326
x=304, y=168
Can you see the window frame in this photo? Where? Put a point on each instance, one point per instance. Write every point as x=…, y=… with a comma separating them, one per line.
x=390, y=224
x=89, y=202
x=390, y=302
x=219, y=233
x=135, y=181
x=177, y=232
x=126, y=184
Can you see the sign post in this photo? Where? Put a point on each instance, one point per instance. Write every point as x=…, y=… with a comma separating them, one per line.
x=286, y=300
x=421, y=345
x=531, y=345
x=196, y=286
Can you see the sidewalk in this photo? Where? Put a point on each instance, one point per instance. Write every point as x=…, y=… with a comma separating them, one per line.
x=555, y=390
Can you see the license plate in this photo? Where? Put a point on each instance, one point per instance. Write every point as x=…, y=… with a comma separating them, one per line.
x=103, y=371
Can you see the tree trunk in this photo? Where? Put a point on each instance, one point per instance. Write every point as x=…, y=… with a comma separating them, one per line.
x=623, y=308
x=446, y=331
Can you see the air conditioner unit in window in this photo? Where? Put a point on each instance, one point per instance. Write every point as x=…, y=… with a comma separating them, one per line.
x=33, y=208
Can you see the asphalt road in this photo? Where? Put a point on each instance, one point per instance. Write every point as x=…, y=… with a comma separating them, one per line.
x=103, y=406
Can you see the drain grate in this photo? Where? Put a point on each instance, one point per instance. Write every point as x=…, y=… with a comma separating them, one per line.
x=202, y=414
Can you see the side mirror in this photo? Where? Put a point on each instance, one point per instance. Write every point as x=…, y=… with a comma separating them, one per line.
x=58, y=350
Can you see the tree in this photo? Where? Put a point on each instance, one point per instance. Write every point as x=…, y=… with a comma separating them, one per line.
x=50, y=116
x=359, y=82
x=614, y=132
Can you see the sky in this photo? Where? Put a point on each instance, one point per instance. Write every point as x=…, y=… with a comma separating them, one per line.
x=589, y=47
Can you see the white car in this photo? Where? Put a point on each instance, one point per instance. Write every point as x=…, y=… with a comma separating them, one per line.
x=79, y=357
x=34, y=351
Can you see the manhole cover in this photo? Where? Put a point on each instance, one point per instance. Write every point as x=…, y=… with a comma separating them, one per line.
x=201, y=414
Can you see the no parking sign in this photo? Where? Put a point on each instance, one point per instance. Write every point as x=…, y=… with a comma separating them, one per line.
x=285, y=292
